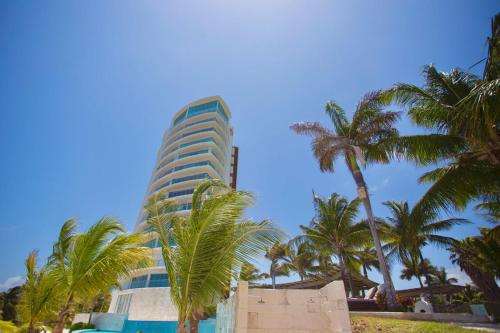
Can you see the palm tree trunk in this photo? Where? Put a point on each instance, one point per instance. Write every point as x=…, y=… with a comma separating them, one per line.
x=485, y=282
x=273, y=276
x=60, y=320
x=390, y=293
x=427, y=279
x=342, y=274
x=420, y=281
x=193, y=323
x=181, y=326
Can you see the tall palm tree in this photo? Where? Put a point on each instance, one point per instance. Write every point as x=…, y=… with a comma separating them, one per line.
x=334, y=228
x=414, y=267
x=277, y=255
x=440, y=277
x=204, y=250
x=39, y=299
x=478, y=258
x=463, y=109
x=368, y=138
x=410, y=230
x=85, y=264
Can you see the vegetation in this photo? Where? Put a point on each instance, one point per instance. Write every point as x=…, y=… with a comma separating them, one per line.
x=362, y=324
x=80, y=326
x=7, y=327
x=334, y=231
x=478, y=257
x=277, y=254
x=211, y=245
x=366, y=139
x=39, y=297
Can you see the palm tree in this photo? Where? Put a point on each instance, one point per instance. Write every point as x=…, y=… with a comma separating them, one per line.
x=211, y=245
x=414, y=267
x=301, y=258
x=368, y=138
x=250, y=273
x=478, y=258
x=333, y=228
x=277, y=254
x=409, y=231
x=367, y=257
x=85, y=264
x=440, y=277
x=463, y=109
x=39, y=296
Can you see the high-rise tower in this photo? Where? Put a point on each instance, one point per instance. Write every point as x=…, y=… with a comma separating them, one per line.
x=197, y=146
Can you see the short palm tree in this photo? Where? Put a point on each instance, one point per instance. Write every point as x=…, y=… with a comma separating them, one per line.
x=85, y=264
x=301, y=258
x=39, y=298
x=204, y=250
x=409, y=230
x=414, y=267
x=440, y=278
x=334, y=228
x=478, y=258
x=368, y=138
x=250, y=273
x=277, y=255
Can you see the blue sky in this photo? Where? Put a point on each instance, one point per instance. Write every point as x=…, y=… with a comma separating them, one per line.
x=88, y=87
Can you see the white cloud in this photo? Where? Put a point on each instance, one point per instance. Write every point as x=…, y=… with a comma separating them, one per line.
x=455, y=272
x=385, y=182
x=11, y=282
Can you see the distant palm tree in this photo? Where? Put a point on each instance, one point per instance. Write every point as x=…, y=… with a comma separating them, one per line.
x=277, y=254
x=440, y=277
x=211, y=245
x=478, y=258
x=250, y=273
x=301, y=258
x=413, y=267
x=39, y=299
x=410, y=230
x=368, y=138
x=367, y=257
x=85, y=264
x=334, y=228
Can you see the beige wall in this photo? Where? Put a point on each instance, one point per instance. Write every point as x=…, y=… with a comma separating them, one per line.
x=147, y=304
x=291, y=310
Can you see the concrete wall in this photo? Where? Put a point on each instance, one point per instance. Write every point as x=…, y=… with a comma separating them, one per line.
x=290, y=310
x=147, y=304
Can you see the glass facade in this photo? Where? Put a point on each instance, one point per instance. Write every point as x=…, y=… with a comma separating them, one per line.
x=188, y=166
x=194, y=111
x=181, y=180
x=149, y=281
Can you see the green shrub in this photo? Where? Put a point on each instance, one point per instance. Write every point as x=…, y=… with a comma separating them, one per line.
x=81, y=326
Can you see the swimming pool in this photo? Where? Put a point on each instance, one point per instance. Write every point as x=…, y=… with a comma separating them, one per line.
x=134, y=326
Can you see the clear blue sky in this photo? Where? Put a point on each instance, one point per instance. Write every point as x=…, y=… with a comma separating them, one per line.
x=87, y=89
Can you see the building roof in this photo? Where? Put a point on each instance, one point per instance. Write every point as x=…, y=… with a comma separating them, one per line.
x=436, y=289
x=359, y=282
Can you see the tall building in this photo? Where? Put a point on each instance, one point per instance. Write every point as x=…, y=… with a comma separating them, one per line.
x=197, y=146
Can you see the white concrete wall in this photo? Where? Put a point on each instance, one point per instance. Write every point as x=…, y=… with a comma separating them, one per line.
x=291, y=310
x=147, y=304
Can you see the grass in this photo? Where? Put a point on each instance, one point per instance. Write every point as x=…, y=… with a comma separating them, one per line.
x=362, y=324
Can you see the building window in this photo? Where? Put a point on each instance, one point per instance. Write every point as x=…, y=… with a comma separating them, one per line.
x=158, y=280
x=139, y=282
x=123, y=303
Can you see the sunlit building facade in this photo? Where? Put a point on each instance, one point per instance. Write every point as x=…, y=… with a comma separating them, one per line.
x=197, y=146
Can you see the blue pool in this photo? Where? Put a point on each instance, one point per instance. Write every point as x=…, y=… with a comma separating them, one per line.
x=134, y=326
